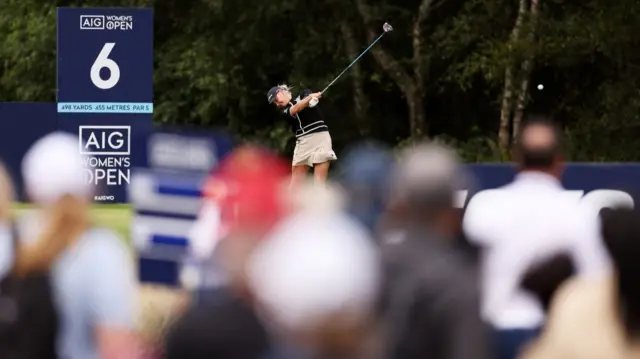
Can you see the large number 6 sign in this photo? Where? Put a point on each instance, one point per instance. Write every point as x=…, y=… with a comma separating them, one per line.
x=102, y=61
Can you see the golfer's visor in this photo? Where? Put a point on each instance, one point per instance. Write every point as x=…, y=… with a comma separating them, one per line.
x=271, y=95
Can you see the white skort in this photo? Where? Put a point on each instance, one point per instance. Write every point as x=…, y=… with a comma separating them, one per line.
x=312, y=149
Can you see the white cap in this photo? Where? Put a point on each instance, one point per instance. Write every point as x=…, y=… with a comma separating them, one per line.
x=428, y=169
x=313, y=266
x=53, y=167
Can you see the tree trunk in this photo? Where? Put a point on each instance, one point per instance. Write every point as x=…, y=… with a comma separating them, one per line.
x=507, y=92
x=527, y=67
x=522, y=99
x=505, y=111
x=416, y=115
x=360, y=103
x=405, y=82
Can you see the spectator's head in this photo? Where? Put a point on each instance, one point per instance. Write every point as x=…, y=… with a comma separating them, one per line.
x=55, y=179
x=539, y=147
x=621, y=233
x=250, y=189
x=316, y=278
x=7, y=194
x=543, y=279
x=425, y=186
x=365, y=174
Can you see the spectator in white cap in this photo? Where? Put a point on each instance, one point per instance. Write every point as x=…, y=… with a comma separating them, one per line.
x=91, y=272
x=316, y=280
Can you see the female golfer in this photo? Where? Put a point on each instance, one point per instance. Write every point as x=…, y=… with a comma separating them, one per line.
x=313, y=142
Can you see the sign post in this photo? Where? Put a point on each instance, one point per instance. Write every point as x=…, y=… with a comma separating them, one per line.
x=105, y=89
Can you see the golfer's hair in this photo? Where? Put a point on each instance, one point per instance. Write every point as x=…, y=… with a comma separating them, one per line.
x=285, y=87
x=68, y=219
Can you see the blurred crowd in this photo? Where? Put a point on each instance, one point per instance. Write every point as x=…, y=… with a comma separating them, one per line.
x=377, y=263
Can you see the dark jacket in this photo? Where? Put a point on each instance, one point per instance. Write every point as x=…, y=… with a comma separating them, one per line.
x=431, y=301
x=223, y=326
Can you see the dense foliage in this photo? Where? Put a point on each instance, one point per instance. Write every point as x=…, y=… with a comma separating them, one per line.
x=444, y=72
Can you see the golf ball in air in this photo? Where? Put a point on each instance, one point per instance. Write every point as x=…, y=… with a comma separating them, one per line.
x=540, y=87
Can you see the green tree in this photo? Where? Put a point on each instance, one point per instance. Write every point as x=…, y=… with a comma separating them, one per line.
x=442, y=73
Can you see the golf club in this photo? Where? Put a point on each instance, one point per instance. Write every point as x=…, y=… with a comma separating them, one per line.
x=386, y=28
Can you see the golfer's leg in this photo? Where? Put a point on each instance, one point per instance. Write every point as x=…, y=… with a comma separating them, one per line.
x=298, y=175
x=321, y=172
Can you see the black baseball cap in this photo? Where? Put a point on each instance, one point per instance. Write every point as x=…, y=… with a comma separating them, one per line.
x=271, y=95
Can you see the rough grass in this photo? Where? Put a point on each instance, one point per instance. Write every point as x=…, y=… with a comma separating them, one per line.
x=114, y=216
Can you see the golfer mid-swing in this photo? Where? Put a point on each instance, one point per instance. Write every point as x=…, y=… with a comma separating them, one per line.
x=313, y=142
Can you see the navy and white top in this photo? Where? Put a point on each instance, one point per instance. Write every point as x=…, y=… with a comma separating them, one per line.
x=305, y=122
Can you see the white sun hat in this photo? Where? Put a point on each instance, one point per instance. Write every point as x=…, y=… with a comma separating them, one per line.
x=314, y=266
x=53, y=167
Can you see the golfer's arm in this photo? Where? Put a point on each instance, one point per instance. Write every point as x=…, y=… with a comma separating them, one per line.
x=304, y=103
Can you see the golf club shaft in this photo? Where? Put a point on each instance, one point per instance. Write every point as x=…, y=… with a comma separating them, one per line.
x=353, y=62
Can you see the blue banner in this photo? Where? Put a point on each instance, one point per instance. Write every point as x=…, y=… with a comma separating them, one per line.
x=166, y=203
x=165, y=194
x=105, y=89
x=606, y=184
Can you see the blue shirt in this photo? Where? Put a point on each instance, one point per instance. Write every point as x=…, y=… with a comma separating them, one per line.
x=93, y=284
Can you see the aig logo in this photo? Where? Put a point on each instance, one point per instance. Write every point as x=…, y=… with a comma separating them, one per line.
x=91, y=22
x=108, y=22
x=105, y=140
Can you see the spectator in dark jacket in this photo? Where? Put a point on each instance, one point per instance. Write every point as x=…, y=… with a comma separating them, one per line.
x=431, y=299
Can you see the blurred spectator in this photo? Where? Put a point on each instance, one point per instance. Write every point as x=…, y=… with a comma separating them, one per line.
x=365, y=175
x=7, y=197
x=543, y=279
x=224, y=328
x=316, y=280
x=599, y=317
x=430, y=298
x=245, y=199
x=91, y=270
x=523, y=224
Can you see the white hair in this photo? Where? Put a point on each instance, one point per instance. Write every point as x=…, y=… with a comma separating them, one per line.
x=285, y=88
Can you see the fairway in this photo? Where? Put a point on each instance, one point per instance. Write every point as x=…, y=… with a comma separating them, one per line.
x=113, y=216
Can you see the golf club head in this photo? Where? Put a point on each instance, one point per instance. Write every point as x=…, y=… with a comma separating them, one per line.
x=386, y=27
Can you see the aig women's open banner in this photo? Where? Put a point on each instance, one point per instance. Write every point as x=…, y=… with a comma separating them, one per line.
x=105, y=89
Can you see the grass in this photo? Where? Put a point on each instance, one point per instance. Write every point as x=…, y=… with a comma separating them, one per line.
x=116, y=217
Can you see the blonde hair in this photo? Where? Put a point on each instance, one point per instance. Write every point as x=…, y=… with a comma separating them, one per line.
x=286, y=88
x=67, y=220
